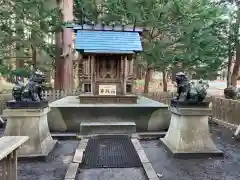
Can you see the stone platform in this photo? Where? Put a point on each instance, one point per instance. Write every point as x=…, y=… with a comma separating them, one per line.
x=91, y=128
x=32, y=123
x=67, y=114
x=26, y=104
x=100, y=99
x=188, y=135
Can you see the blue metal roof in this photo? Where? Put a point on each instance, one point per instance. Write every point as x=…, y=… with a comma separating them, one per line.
x=107, y=51
x=108, y=41
x=100, y=27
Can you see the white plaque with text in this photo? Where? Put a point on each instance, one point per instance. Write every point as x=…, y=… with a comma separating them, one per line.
x=107, y=90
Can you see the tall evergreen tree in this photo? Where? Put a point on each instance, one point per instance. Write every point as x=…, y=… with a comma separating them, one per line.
x=194, y=32
x=25, y=26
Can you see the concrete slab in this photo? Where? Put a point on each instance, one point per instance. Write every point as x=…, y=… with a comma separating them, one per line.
x=83, y=144
x=73, y=101
x=91, y=128
x=142, y=156
x=147, y=167
x=136, y=144
x=150, y=172
x=71, y=171
x=78, y=156
x=149, y=115
x=207, y=153
x=151, y=135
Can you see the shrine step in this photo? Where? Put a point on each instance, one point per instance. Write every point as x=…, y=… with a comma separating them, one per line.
x=91, y=128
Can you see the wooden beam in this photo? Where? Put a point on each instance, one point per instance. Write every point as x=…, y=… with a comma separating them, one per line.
x=93, y=74
x=8, y=157
x=124, y=74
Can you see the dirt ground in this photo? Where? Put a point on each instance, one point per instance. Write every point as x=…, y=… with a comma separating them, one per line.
x=54, y=169
x=166, y=166
x=227, y=168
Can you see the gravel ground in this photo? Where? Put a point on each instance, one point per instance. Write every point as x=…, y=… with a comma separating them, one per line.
x=169, y=168
x=166, y=166
x=55, y=167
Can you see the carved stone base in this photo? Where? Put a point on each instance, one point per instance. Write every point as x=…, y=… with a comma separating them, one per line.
x=189, y=104
x=188, y=134
x=32, y=123
x=29, y=105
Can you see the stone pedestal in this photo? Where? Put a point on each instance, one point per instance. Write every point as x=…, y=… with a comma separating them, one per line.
x=188, y=134
x=32, y=123
x=67, y=114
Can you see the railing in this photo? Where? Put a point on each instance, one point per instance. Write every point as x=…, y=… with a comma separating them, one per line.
x=222, y=109
x=225, y=110
x=53, y=95
x=8, y=156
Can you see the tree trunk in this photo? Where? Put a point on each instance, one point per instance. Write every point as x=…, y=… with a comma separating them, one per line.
x=165, y=85
x=19, y=53
x=34, y=57
x=58, y=62
x=64, y=64
x=230, y=53
x=151, y=75
x=236, y=67
x=229, y=67
x=147, y=79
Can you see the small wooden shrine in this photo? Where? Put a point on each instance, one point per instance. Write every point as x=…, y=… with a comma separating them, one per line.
x=106, y=59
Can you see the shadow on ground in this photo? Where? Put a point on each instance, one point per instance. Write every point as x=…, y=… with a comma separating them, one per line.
x=226, y=168
x=55, y=167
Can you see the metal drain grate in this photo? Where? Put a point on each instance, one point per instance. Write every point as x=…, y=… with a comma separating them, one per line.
x=110, y=152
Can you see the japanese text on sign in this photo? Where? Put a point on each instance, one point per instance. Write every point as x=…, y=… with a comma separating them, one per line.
x=107, y=90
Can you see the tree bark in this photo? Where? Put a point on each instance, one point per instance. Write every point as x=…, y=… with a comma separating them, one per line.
x=19, y=50
x=34, y=57
x=58, y=62
x=230, y=53
x=64, y=63
x=236, y=67
x=165, y=87
x=229, y=67
x=147, y=79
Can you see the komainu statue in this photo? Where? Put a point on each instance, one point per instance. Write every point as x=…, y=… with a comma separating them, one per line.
x=189, y=92
x=32, y=91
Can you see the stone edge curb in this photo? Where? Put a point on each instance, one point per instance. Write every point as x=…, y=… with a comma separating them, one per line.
x=147, y=166
x=77, y=160
x=223, y=123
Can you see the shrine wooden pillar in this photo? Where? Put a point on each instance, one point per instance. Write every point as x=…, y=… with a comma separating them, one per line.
x=93, y=73
x=124, y=74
